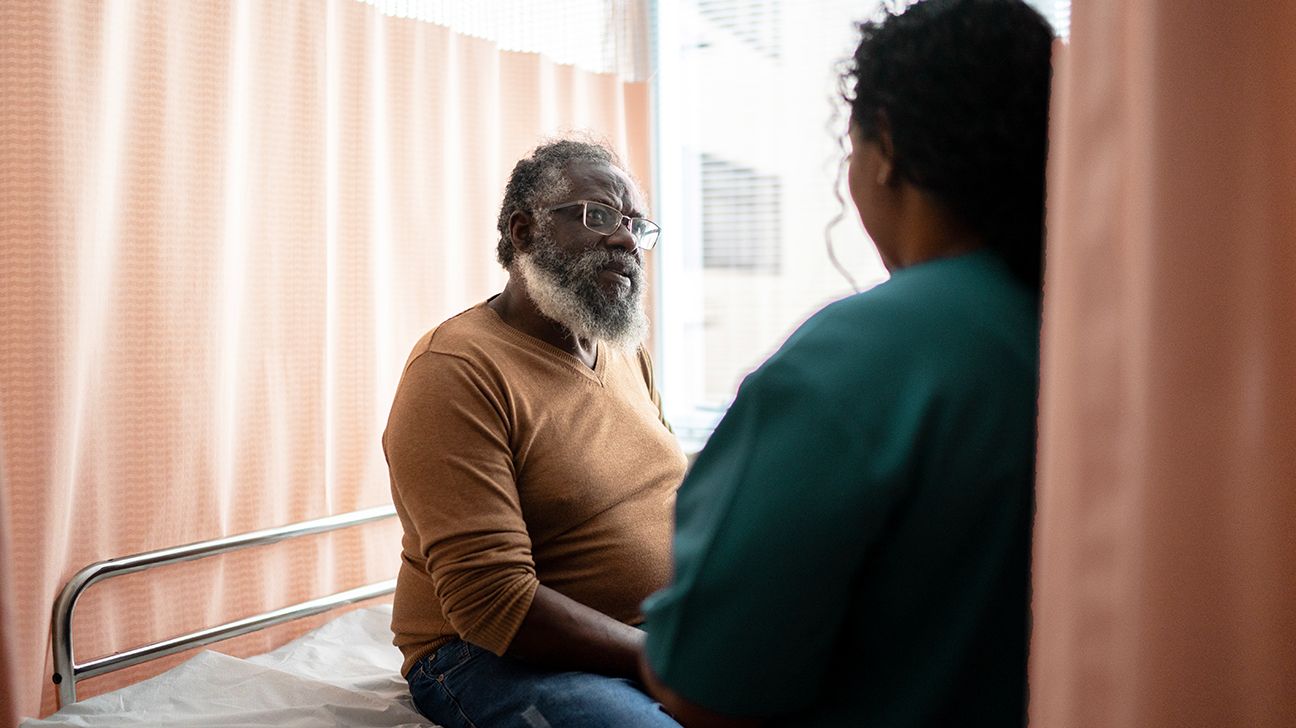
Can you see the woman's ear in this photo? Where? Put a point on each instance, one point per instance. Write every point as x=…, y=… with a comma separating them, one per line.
x=520, y=230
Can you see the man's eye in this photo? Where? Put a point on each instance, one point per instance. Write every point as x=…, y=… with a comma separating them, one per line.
x=595, y=216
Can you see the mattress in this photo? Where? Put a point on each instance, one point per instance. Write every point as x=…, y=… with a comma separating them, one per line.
x=345, y=673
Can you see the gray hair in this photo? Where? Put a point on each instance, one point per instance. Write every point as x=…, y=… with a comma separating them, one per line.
x=538, y=180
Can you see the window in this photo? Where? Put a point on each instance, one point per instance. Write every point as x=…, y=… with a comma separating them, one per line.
x=750, y=143
x=740, y=217
x=754, y=22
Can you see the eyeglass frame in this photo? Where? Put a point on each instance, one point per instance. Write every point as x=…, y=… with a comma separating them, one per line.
x=623, y=222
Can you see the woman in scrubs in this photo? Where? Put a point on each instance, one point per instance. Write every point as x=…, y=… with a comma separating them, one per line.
x=852, y=546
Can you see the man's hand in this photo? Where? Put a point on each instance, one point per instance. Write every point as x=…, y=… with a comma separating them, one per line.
x=561, y=633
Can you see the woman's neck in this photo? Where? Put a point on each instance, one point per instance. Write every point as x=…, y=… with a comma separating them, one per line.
x=926, y=230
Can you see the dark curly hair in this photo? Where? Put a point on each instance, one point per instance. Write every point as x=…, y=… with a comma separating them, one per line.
x=539, y=178
x=963, y=86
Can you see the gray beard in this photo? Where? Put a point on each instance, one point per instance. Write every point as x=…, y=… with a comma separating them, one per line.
x=566, y=289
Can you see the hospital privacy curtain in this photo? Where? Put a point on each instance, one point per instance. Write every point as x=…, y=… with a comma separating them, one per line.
x=1165, y=539
x=224, y=224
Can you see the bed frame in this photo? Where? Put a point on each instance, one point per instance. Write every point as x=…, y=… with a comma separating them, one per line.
x=67, y=671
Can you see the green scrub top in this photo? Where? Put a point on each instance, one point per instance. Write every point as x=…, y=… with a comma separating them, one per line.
x=852, y=544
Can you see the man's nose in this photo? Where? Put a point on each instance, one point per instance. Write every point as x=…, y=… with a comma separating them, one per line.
x=622, y=238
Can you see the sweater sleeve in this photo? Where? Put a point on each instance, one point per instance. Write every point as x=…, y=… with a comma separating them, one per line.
x=448, y=450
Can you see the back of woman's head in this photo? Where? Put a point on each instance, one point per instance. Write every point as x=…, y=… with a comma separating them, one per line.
x=962, y=87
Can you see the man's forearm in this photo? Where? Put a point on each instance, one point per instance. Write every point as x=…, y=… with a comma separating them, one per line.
x=559, y=632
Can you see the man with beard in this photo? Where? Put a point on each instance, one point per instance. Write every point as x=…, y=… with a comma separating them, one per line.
x=532, y=470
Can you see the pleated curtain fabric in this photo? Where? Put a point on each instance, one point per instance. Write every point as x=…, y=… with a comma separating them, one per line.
x=1165, y=539
x=221, y=226
x=224, y=224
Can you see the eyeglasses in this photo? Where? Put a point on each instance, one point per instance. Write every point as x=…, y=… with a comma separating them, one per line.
x=606, y=220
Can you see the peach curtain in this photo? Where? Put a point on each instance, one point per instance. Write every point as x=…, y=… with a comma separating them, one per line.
x=224, y=224
x=1165, y=559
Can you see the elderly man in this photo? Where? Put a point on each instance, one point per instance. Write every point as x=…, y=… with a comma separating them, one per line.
x=532, y=470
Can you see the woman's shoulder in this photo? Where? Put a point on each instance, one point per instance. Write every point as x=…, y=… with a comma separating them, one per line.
x=971, y=289
x=923, y=314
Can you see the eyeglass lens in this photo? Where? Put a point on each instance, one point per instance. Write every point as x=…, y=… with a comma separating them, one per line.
x=605, y=220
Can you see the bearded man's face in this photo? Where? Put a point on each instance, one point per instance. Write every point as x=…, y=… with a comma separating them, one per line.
x=592, y=284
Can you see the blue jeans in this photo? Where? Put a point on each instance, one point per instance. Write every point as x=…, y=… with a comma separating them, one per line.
x=464, y=686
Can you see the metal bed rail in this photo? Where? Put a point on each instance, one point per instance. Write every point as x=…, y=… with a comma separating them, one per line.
x=67, y=671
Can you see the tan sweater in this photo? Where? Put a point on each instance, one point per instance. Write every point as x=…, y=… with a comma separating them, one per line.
x=513, y=464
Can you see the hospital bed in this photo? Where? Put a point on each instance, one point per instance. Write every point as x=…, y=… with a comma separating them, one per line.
x=345, y=673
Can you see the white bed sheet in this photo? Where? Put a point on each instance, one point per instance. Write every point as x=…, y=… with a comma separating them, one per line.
x=345, y=673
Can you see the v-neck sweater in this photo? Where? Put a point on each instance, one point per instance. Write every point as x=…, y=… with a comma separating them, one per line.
x=514, y=464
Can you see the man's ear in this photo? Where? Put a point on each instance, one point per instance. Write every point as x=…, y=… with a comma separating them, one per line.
x=886, y=163
x=520, y=230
